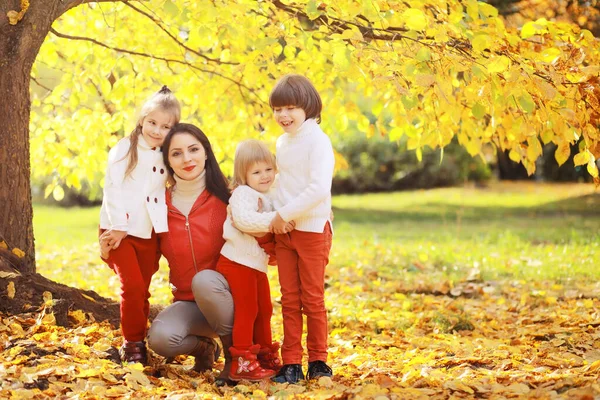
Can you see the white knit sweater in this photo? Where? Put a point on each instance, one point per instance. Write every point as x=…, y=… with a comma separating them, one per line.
x=305, y=161
x=136, y=203
x=239, y=246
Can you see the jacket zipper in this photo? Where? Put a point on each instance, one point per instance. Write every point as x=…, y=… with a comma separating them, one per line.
x=187, y=228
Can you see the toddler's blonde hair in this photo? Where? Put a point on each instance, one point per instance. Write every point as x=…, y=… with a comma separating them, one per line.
x=247, y=153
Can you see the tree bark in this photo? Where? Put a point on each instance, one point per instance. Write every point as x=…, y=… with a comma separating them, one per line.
x=19, y=45
x=20, y=287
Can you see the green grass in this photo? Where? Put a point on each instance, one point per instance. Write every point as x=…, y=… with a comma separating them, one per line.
x=522, y=231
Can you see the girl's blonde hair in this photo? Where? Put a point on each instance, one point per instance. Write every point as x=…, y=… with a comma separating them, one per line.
x=165, y=100
x=247, y=153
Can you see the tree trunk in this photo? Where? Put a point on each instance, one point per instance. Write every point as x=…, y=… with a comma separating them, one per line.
x=19, y=45
x=20, y=287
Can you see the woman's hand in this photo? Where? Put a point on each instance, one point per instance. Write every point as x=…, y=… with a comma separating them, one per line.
x=111, y=239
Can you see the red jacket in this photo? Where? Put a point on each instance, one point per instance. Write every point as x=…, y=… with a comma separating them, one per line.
x=189, y=251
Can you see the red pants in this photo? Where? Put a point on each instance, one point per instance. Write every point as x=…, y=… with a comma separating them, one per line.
x=135, y=261
x=251, y=304
x=302, y=258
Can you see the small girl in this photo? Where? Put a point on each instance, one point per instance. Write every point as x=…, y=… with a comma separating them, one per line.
x=244, y=261
x=305, y=161
x=133, y=212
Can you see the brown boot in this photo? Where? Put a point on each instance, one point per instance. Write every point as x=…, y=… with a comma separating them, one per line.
x=223, y=378
x=205, y=354
x=132, y=352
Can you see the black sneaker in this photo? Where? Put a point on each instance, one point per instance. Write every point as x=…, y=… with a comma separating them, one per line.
x=290, y=373
x=317, y=369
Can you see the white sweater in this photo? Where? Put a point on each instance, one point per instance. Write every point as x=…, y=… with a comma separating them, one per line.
x=136, y=203
x=239, y=246
x=305, y=161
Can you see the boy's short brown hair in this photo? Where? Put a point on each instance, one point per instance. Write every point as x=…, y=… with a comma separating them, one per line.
x=297, y=90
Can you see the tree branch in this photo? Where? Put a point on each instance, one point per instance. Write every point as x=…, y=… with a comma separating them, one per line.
x=181, y=44
x=74, y=3
x=145, y=55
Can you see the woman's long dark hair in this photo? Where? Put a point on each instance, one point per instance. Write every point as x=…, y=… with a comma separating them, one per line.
x=216, y=182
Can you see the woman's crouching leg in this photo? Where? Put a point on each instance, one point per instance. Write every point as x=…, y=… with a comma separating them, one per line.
x=213, y=297
x=179, y=329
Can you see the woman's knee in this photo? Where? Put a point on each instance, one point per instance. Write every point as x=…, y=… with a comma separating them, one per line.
x=208, y=281
x=161, y=337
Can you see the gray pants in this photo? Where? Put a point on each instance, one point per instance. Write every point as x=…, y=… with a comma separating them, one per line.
x=176, y=329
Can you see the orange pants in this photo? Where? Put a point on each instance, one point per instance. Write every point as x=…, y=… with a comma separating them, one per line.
x=135, y=261
x=302, y=258
x=252, y=307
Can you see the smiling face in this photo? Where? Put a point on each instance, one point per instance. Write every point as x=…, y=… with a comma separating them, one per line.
x=289, y=117
x=260, y=176
x=156, y=125
x=187, y=157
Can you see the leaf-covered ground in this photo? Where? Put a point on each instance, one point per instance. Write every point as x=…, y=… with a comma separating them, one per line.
x=450, y=293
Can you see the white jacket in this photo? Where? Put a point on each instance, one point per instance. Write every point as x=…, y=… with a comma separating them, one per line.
x=305, y=161
x=136, y=203
x=239, y=246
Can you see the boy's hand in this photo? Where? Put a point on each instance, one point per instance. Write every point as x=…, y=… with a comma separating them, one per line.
x=277, y=225
x=113, y=238
x=290, y=226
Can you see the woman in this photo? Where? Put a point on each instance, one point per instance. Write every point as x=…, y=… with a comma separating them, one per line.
x=197, y=208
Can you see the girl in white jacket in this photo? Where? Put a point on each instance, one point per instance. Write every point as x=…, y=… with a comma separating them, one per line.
x=134, y=211
x=244, y=261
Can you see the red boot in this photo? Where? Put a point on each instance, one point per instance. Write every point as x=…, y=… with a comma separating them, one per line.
x=268, y=357
x=245, y=366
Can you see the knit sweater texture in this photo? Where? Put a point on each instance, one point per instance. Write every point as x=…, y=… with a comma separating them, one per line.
x=185, y=193
x=239, y=246
x=305, y=162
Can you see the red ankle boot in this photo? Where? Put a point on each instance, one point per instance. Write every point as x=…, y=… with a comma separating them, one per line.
x=245, y=366
x=268, y=357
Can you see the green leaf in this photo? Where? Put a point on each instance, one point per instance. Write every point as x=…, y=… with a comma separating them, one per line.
x=424, y=54
x=526, y=102
x=478, y=110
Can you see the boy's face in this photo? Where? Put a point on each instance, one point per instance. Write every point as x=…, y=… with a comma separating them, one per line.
x=289, y=117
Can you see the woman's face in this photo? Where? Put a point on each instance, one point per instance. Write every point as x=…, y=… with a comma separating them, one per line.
x=186, y=156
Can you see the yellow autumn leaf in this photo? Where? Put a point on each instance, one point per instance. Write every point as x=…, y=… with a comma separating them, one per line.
x=3, y=245
x=415, y=19
x=550, y=55
x=498, y=64
x=562, y=153
x=10, y=290
x=87, y=297
x=18, y=252
x=581, y=158
x=592, y=169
